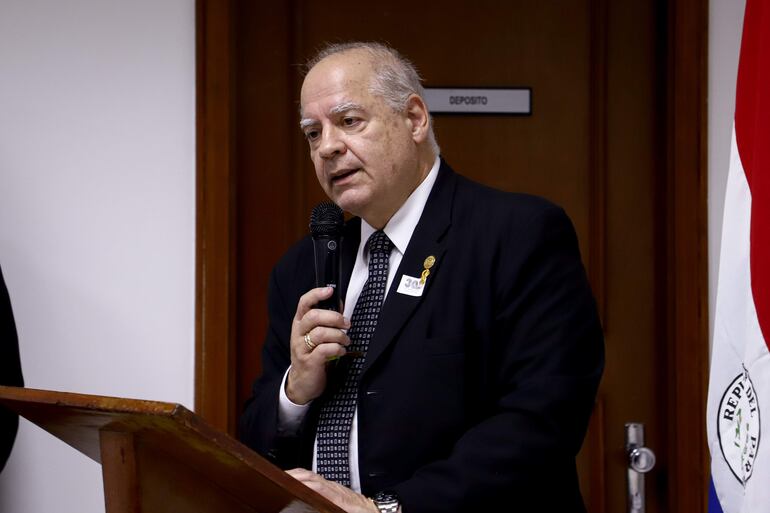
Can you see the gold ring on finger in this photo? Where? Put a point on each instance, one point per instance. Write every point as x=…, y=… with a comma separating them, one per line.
x=309, y=343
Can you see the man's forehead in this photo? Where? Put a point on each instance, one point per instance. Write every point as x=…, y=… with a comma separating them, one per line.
x=332, y=90
x=338, y=72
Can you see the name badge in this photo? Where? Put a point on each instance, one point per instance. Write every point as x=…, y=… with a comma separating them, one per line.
x=411, y=286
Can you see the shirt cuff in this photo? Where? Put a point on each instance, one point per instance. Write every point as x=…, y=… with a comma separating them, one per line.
x=290, y=415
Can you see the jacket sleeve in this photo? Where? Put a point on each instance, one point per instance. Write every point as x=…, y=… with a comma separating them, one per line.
x=549, y=344
x=10, y=371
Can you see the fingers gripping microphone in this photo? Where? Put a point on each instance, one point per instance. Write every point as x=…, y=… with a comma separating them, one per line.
x=326, y=223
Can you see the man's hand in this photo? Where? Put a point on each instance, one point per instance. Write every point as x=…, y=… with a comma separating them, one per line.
x=316, y=337
x=342, y=496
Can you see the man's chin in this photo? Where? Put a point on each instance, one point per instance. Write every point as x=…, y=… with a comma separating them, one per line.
x=351, y=203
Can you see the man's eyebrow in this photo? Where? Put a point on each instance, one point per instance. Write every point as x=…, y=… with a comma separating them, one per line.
x=306, y=122
x=337, y=109
x=344, y=107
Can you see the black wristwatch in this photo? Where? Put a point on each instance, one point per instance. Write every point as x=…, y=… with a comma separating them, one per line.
x=386, y=502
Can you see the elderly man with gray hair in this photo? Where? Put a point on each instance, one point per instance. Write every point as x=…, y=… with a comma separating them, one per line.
x=461, y=371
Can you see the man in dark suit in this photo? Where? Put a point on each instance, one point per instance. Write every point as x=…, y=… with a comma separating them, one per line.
x=10, y=371
x=477, y=372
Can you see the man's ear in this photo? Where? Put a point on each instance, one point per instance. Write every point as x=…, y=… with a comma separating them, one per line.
x=418, y=118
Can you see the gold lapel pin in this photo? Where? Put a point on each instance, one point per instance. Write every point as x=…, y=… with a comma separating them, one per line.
x=428, y=263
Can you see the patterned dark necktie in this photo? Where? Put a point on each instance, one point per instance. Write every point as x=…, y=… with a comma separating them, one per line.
x=336, y=416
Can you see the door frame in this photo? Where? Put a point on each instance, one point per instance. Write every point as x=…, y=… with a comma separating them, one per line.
x=684, y=265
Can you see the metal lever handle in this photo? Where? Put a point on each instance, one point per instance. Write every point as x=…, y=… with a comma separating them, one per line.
x=641, y=460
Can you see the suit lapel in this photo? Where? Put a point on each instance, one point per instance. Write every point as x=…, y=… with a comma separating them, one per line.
x=426, y=240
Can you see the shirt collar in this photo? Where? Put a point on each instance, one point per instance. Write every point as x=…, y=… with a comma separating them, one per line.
x=401, y=226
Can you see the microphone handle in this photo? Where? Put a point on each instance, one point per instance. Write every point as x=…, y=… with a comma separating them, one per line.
x=327, y=269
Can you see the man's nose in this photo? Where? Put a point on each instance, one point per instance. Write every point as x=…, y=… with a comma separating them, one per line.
x=331, y=144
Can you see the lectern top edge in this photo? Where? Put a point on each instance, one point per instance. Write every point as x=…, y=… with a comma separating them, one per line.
x=106, y=404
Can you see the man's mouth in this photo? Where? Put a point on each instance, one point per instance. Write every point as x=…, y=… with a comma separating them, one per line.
x=343, y=176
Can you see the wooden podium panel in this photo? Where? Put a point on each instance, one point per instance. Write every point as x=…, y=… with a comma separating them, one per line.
x=160, y=457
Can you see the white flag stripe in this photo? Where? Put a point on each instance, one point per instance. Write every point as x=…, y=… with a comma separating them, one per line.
x=738, y=344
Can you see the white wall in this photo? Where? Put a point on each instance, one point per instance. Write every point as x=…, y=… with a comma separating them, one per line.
x=97, y=213
x=725, y=25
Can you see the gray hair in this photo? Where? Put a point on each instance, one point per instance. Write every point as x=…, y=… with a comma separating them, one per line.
x=395, y=77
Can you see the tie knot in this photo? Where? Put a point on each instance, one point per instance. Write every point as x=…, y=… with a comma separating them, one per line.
x=379, y=243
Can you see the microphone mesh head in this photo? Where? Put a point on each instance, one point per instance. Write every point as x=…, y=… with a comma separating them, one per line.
x=326, y=219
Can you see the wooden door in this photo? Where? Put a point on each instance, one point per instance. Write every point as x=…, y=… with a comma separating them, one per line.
x=596, y=143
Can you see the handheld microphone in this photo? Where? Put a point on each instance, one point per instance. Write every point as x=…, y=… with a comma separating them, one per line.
x=326, y=223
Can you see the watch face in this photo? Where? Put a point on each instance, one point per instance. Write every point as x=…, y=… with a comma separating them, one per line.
x=386, y=497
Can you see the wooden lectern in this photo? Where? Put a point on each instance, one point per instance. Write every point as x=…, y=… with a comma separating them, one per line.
x=160, y=457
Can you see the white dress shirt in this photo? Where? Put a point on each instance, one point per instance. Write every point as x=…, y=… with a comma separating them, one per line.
x=399, y=230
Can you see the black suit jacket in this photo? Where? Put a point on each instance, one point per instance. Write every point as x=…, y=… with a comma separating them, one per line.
x=477, y=393
x=10, y=371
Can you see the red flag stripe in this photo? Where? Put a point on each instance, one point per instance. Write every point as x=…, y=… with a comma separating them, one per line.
x=752, y=131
